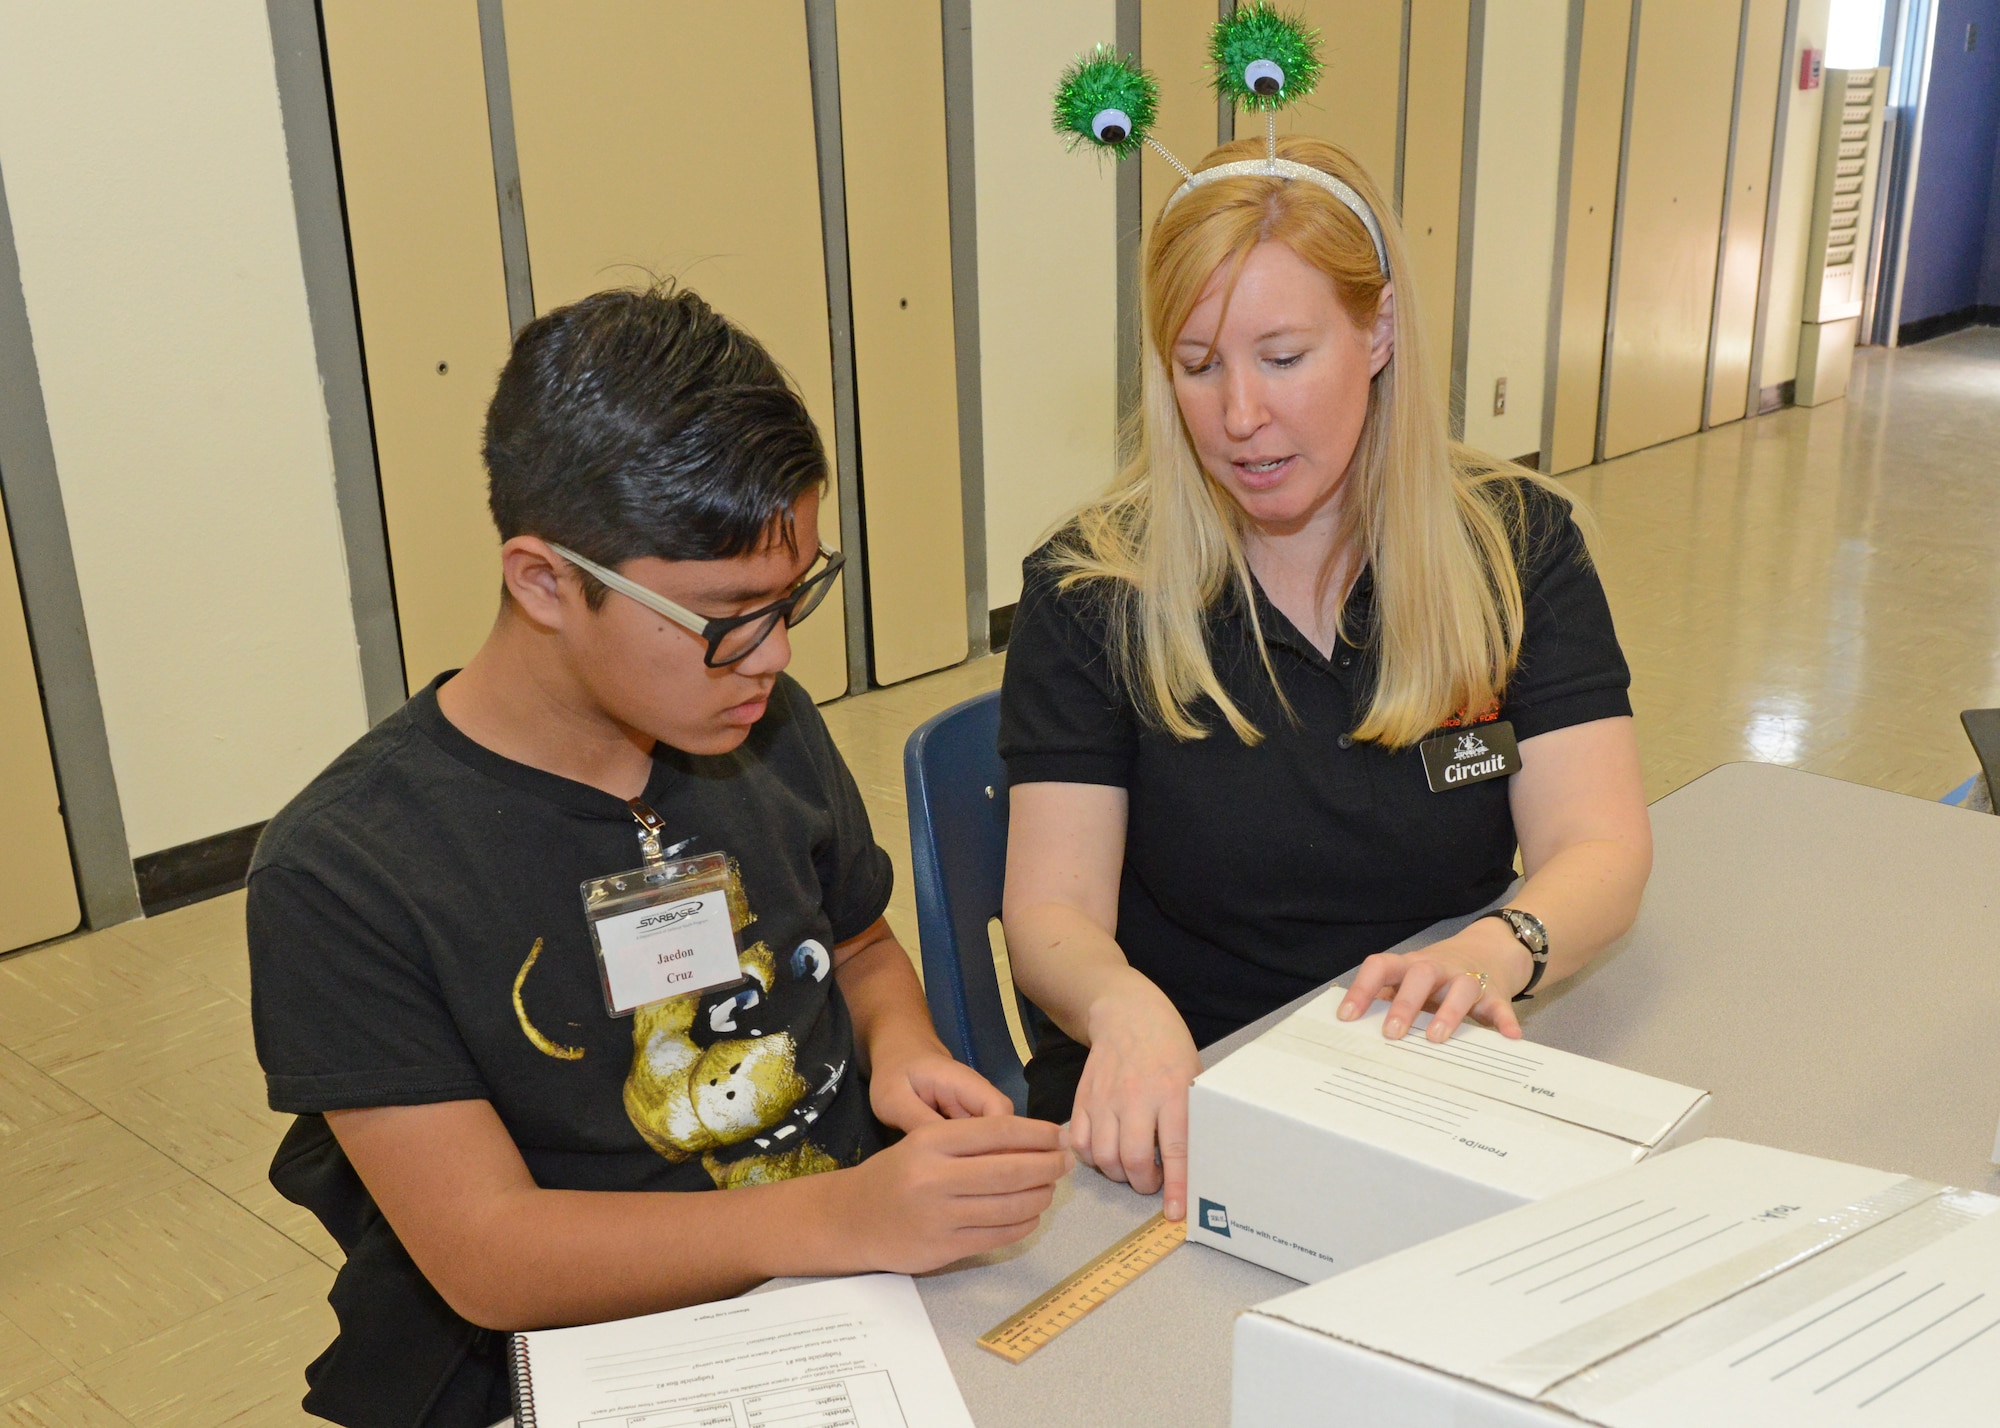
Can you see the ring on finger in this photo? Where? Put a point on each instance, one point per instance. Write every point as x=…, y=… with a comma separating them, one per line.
x=1481, y=978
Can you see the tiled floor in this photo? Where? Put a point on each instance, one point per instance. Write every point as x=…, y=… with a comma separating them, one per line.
x=148, y=1273
x=1814, y=587
x=1818, y=587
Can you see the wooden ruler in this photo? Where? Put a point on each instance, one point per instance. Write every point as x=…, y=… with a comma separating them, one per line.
x=1027, y=1329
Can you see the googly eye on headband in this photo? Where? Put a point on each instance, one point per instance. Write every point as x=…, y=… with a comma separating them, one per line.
x=1262, y=60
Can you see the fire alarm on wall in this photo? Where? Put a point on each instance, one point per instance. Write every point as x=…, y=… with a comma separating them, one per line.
x=1812, y=63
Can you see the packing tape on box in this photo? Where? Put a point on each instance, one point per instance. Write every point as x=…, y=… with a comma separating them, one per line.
x=1536, y=1370
x=1749, y=1314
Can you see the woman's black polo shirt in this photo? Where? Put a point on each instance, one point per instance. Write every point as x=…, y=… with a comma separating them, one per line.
x=1254, y=874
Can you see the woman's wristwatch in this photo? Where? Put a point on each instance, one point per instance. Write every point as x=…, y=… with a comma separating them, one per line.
x=1530, y=933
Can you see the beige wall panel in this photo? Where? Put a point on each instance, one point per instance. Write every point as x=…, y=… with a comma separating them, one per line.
x=1173, y=44
x=899, y=263
x=1354, y=104
x=151, y=197
x=37, y=885
x=1433, y=157
x=1514, y=223
x=1048, y=295
x=1750, y=191
x=409, y=97
x=1677, y=153
x=1791, y=233
x=1593, y=196
x=643, y=153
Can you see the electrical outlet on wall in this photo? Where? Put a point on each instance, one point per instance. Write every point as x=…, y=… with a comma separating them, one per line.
x=1500, y=396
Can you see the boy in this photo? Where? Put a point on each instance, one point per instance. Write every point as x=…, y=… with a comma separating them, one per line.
x=480, y=1127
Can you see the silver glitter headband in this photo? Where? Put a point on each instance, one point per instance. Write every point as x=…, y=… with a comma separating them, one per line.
x=1271, y=166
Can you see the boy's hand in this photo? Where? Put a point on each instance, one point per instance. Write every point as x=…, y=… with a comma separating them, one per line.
x=918, y=1084
x=950, y=1189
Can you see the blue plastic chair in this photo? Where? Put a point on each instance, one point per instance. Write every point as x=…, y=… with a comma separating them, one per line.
x=956, y=787
x=1982, y=727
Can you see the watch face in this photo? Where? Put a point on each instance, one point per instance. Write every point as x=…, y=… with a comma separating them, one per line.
x=1529, y=929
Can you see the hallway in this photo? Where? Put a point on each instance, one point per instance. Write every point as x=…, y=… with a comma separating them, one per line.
x=1817, y=587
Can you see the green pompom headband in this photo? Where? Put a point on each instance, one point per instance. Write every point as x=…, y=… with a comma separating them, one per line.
x=1107, y=100
x=1262, y=60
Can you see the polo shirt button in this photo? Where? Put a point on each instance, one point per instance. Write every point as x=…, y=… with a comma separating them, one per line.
x=1346, y=741
x=1346, y=660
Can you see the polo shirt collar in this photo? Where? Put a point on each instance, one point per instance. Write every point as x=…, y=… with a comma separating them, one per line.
x=1358, y=620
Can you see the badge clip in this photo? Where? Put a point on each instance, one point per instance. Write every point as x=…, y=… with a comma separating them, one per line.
x=664, y=929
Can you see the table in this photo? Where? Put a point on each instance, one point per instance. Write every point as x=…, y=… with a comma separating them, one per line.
x=1823, y=957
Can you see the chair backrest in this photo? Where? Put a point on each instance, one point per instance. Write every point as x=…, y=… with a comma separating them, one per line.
x=956, y=787
x=1982, y=727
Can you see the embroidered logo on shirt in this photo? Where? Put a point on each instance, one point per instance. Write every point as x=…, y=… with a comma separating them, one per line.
x=1466, y=716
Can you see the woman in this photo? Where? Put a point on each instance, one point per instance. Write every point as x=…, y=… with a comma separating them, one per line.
x=1223, y=672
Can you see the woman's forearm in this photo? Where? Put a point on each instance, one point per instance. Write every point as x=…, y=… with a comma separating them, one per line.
x=1587, y=895
x=1068, y=965
x=1579, y=808
x=1065, y=850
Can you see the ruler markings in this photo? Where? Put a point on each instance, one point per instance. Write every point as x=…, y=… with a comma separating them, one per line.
x=1027, y=1329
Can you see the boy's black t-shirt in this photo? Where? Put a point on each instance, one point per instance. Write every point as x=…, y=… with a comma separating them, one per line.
x=417, y=935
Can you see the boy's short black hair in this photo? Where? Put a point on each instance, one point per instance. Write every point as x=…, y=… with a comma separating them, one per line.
x=645, y=423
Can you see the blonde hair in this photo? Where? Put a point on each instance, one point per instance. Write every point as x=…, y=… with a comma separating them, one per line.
x=1434, y=520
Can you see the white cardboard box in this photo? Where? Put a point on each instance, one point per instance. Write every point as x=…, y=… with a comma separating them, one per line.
x=1723, y=1284
x=1322, y=1145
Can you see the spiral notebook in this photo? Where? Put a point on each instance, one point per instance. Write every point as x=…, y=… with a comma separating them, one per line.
x=836, y=1353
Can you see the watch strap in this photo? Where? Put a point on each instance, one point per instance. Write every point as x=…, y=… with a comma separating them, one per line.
x=1538, y=958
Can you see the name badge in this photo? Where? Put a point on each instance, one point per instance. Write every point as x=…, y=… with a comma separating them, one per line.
x=662, y=931
x=1459, y=757
x=672, y=950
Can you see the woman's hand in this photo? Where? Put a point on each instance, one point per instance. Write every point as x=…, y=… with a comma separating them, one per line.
x=1131, y=1114
x=1445, y=978
x=916, y=1083
x=1579, y=806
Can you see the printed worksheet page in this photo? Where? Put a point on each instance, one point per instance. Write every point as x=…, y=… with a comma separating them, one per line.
x=842, y=1353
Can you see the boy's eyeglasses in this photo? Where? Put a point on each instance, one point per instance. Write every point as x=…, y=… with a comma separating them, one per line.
x=732, y=637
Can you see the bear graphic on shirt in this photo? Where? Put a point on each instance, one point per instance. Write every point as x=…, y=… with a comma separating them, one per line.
x=717, y=1075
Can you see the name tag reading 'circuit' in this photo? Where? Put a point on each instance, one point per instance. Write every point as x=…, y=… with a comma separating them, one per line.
x=1459, y=757
x=662, y=932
